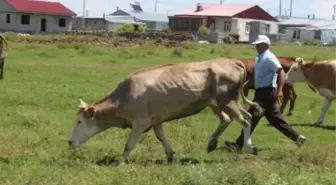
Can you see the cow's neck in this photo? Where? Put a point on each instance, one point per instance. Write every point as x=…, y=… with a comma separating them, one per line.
x=307, y=73
x=318, y=77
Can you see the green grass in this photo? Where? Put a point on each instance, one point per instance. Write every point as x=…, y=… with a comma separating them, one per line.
x=40, y=95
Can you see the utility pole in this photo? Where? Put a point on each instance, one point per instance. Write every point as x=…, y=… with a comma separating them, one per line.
x=291, y=8
x=221, y=2
x=84, y=12
x=156, y=2
x=280, y=7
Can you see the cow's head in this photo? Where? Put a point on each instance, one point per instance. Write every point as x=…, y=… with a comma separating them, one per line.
x=295, y=73
x=86, y=124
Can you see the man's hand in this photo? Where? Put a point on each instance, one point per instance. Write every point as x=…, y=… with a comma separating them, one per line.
x=279, y=97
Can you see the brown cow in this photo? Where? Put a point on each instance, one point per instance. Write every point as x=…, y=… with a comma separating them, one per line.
x=321, y=77
x=152, y=96
x=288, y=90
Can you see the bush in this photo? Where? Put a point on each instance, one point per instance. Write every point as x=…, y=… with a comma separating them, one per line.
x=142, y=28
x=125, y=28
x=203, y=32
x=166, y=30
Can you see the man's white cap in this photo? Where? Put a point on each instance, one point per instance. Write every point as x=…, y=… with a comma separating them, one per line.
x=262, y=39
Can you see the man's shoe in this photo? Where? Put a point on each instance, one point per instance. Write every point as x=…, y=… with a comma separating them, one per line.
x=232, y=146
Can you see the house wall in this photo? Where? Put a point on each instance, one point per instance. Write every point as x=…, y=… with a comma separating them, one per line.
x=114, y=26
x=90, y=24
x=244, y=33
x=305, y=35
x=161, y=25
x=238, y=26
x=34, y=26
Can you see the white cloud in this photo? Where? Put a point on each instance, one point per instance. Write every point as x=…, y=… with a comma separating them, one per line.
x=323, y=8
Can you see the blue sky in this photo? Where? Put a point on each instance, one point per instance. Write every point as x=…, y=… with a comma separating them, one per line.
x=321, y=8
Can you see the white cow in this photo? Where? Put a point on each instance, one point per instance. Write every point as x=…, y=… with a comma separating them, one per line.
x=321, y=76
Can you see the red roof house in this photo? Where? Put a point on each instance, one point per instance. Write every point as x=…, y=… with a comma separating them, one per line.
x=40, y=7
x=226, y=18
x=35, y=16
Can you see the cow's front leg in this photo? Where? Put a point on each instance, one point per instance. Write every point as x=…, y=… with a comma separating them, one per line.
x=137, y=129
x=225, y=121
x=324, y=110
x=158, y=130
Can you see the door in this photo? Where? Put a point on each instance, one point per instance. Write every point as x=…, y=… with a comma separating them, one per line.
x=43, y=25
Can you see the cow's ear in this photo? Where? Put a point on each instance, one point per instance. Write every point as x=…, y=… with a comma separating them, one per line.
x=82, y=104
x=91, y=112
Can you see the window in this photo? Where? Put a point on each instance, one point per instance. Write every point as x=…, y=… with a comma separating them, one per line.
x=61, y=22
x=267, y=28
x=227, y=26
x=296, y=34
x=94, y=22
x=317, y=34
x=247, y=27
x=25, y=19
x=8, y=18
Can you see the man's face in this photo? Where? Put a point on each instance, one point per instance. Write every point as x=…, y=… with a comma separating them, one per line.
x=261, y=47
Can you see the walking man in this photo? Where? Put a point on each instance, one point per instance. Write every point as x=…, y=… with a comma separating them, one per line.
x=269, y=80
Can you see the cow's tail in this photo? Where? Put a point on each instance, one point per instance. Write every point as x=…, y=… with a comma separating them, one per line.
x=258, y=110
x=3, y=39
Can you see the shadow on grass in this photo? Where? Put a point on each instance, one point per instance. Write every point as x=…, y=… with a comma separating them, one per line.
x=326, y=127
x=112, y=160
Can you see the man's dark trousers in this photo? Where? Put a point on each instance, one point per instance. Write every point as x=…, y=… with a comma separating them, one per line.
x=266, y=97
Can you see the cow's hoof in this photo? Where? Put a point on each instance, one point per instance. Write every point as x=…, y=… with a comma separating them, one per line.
x=170, y=157
x=212, y=145
x=318, y=123
x=251, y=150
x=290, y=114
x=117, y=163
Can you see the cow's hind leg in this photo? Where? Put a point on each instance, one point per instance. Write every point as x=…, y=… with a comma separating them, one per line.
x=324, y=110
x=244, y=118
x=286, y=97
x=292, y=101
x=158, y=130
x=225, y=121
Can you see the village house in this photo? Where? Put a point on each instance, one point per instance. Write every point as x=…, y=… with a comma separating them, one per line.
x=32, y=16
x=102, y=23
x=307, y=29
x=226, y=19
x=153, y=20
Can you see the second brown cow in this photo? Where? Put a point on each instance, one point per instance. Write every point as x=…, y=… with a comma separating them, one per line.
x=288, y=90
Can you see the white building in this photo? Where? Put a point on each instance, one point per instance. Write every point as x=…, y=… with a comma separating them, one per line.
x=105, y=23
x=153, y=20
x=34, y=16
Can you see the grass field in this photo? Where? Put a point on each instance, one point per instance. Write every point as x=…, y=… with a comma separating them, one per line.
x=40, y=95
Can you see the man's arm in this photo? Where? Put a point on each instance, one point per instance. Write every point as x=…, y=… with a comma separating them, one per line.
x=277, y=68
x=281, y=79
